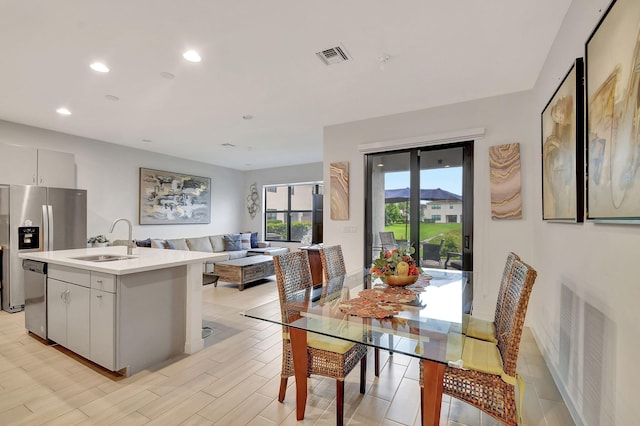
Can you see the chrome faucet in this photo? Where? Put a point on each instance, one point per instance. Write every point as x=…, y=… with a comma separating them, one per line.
x=130, y=239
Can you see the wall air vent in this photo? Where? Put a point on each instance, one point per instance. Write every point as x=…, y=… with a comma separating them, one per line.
x=333, y=55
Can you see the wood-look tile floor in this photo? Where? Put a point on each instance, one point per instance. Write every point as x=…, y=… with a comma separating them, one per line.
x=233, y=381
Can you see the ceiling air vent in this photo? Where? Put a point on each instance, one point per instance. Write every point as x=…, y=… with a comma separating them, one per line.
x=333, y=55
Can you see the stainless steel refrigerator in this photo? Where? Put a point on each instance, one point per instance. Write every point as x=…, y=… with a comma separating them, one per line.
x=36, y=218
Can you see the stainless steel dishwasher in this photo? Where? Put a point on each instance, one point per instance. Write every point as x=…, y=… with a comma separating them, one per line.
x=35, y=297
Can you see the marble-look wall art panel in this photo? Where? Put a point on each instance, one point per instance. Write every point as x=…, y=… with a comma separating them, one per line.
x=504, y=166
x=339, y=174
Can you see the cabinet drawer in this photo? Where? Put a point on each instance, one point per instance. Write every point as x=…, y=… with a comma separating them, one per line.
x=70, y=275
x=104, y=282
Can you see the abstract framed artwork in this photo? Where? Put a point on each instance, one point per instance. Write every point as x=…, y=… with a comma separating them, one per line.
x=339, y=178
x=504, y=167
x=168, y=198
x=563, y=150
x=613, y=115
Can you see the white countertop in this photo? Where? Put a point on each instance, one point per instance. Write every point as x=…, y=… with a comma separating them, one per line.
x=145, y=259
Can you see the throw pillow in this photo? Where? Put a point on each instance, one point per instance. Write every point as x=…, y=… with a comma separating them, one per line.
x=162, y=244
x=144, y=243
x=254, y=240
x=178, y=244
x=200, y=244
x=232, y=242
x=217, y=242
x=246, y=241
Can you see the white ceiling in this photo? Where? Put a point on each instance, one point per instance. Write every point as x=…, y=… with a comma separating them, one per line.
x=258, y=59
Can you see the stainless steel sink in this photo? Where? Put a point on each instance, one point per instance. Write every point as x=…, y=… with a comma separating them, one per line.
x=104, y=257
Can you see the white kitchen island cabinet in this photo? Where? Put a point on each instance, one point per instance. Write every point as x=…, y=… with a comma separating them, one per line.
x=128, y=314
x=68, y=313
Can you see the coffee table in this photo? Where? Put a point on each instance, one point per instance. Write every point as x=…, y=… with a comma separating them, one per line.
x=244, y=270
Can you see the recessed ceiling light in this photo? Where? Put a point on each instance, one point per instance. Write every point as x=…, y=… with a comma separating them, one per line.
x=167, y=75
x=147, y=140
x=100, y=67
x=228, y=145
x=63, y=111
x=247, y=117
x=380, y=165
x=111, y=98
x=191, y=56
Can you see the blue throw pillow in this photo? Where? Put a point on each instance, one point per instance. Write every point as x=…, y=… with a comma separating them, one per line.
x=232, y=242
x=144, y=243
x=254, y=240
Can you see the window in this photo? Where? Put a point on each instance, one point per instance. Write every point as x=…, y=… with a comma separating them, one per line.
x=435, y=206
x=436, y=217
x=289, y=210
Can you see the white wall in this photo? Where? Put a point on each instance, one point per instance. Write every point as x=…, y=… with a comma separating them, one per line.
x=584, y=311
x=505, y=119
x=279, y=175
x=110, y=173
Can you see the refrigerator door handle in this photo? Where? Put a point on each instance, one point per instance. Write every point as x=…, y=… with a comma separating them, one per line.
x=49, y=245
x=45, y=228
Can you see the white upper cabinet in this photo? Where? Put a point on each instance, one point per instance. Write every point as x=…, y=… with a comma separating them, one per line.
x=20, y=165
x=56, y=169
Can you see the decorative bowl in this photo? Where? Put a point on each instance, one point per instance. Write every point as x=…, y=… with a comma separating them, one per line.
x=400, y=280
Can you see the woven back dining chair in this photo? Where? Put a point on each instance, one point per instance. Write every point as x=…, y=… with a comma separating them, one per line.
x=332, y=262
x=488, y=382
x=293, y=275
x=489, y=330
x=333, y=267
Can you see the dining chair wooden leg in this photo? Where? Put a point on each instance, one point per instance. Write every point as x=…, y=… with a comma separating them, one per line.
x=283, y=389
x=376, y=362
x=299, y=354
x=363, y=374
x=339, y=402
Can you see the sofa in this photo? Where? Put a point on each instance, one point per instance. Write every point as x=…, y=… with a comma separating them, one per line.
x=235, y=246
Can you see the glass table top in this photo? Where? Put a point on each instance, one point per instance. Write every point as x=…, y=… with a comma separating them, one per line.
x=423, y=320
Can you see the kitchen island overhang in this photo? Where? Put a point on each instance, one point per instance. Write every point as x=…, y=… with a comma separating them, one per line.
x=156, y=272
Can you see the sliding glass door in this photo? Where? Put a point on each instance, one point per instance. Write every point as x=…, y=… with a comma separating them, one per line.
x=424, y=197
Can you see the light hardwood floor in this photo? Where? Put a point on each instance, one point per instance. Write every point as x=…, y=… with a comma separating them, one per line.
x=233, y=381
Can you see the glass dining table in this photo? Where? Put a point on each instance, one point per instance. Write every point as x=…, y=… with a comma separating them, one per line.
x=423, y=320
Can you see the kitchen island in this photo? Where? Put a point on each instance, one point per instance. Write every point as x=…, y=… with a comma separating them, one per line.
x=125, y=312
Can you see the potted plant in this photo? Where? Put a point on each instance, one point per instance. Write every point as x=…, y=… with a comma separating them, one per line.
x=98, y=241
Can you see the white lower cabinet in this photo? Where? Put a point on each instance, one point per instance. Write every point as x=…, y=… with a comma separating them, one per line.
x=68, y=316
x=81, y=313
x=103, y=328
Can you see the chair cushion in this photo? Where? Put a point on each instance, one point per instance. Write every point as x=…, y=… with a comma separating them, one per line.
x=254, y=240
x=326, y=343
x=482, y=356
x=200, y=244
x=454, y=347
x=481, y=329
